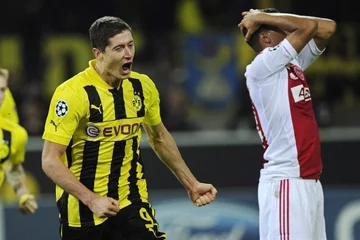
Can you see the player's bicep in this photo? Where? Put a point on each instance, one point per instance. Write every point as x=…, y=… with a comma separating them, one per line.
x=52, y=151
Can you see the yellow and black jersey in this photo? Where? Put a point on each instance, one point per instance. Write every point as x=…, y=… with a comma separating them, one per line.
x=101, y=126
x=13, y=139
x=8, y=107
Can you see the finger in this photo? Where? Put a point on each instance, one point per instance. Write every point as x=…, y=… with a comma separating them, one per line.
x=248, y=35
x=33, y=206
x=198, y=202
x=214, y=191
x=110, y=214
x=113, y=208
x=244, y=13
x=202, y=201
x=30, y=208
x=210, y=196
x=24, y=210
x=101, y=215
x=241, y=26
x=114, y=202
x=32, y=203
x=207, y=199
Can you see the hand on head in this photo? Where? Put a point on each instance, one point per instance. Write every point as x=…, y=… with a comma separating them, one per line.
x=248, y=25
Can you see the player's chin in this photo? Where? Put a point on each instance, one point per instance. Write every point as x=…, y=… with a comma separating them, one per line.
x=125, y=75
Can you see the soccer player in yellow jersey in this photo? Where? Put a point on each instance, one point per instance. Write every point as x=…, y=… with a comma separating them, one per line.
x=92, y=144
x=13, y=140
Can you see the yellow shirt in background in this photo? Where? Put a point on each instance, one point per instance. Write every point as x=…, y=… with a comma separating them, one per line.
x=8, y=108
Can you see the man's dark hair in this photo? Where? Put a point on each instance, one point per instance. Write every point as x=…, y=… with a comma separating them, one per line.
x=254, y=40
x=105, y=28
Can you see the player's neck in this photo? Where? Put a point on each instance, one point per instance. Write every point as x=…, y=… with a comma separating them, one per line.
x=109, y=79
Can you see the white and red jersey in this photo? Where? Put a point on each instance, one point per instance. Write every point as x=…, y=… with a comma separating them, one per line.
x=283, y=111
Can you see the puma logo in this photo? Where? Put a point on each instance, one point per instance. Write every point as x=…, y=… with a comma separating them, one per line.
x=55, y=125
x=92, y=106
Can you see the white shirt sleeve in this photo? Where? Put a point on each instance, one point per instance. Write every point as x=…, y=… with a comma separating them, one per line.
x=271, y=60
x=308, y=55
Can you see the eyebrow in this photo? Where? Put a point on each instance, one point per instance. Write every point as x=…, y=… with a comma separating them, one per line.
x=132, y=41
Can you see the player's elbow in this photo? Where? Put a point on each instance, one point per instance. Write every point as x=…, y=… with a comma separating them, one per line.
x=47, y=163
x=330, y=29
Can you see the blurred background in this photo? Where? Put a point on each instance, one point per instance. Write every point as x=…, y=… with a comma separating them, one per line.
x=194, y=52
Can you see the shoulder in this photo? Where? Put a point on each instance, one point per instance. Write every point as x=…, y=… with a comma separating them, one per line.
x=144, y=79
x=255, y=65
x=72, y=88
x=74, y=83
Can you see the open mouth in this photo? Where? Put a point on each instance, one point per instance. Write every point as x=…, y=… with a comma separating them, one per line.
x=127, y=67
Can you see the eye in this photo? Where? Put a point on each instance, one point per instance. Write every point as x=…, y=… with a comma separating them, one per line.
x=119, y=48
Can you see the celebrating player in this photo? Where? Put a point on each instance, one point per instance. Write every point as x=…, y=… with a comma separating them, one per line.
x=92, y=144
x=291, y=200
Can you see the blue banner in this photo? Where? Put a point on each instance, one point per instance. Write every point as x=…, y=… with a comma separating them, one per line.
x=211, y=65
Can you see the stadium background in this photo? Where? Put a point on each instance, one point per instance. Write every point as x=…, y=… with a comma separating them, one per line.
x=192, y=49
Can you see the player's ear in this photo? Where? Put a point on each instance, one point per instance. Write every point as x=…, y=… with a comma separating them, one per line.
x=265, y=37
x=97, y=53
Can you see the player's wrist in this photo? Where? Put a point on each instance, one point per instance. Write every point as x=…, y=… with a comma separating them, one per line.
x=21, y=191
x=193, y=185
x=89, y=199
x=24, y=198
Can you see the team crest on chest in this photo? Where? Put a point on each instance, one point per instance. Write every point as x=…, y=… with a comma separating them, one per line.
x=137, y=102
x=299, y=72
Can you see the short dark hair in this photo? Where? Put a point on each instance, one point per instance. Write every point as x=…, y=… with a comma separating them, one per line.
x=105, y=28
x=254, y=40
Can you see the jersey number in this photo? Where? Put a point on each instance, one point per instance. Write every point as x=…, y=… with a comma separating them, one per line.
x=147, y=217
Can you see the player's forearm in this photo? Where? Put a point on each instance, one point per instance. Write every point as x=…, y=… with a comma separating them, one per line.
x=64, y=178
x=16, y=178
x=167, y=150
x=326, y=27
x=286, y=22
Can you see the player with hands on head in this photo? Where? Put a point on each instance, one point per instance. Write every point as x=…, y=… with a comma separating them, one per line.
x=290, y=195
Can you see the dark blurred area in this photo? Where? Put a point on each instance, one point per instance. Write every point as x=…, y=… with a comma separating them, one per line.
x=192, y=50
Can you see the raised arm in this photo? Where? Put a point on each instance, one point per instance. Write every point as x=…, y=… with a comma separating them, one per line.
x=301, y=30
x=325, y=31
x=166, y=149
